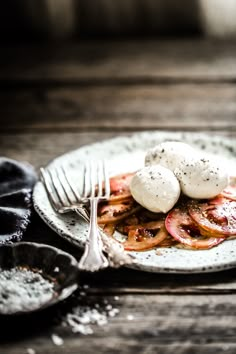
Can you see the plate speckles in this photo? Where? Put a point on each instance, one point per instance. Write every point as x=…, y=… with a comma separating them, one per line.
x=121, y=152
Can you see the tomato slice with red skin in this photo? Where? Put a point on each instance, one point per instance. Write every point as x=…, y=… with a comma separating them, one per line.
x=219, y=199
x=146, y=236
x=120, y=186
x=169, y=241
x=230, y=191
x=217, y=216
x=112, y=213
x=184, y=230
x=142, y=237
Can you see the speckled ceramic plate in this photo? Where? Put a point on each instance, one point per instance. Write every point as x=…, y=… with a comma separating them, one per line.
x=126, y=154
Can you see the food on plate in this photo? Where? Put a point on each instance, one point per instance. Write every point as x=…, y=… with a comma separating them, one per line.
x=185, y=230
x=217, y=216
x=144, y=236
x=155, y=188
x=111, y=211
x=200, y=175
x=230, y=191
x=201, y=178
x=120, y=186
x=169, y=154
x=121, y=203
x=166, y=203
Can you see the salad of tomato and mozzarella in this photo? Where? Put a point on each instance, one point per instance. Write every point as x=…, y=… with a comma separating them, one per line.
x=167, y=203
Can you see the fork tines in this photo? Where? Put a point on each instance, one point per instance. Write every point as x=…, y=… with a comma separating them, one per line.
x=60, y=188
x=96, y=180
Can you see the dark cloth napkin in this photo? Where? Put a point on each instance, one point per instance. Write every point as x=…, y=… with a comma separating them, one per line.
x=16, y=183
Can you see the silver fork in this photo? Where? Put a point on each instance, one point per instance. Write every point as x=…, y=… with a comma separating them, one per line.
x=64, y=197
x=96, y=187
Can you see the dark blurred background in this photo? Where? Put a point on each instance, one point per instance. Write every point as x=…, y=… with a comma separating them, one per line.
x=27, y=20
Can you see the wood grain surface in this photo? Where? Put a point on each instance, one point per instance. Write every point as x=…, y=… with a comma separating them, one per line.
x=159, y=323
x=171, y=106
x=55, y=99
x=138, y=61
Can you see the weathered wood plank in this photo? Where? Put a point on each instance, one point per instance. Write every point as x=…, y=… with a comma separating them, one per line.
x=113, y=345
x=40, y=148
x=102, y=61
x=182, y=106
x=126, y=281
x=144, y=324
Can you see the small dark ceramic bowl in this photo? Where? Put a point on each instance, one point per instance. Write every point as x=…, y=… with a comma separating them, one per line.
x=59, y=268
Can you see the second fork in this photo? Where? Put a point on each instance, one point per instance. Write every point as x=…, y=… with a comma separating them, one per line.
x=96, y=187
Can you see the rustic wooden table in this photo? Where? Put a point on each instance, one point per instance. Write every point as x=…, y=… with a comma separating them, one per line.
x=57, y=98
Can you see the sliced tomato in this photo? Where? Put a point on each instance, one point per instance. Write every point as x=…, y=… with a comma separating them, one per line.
x=169, y=241
x=184, y=230
x=217, y=216
x=120, y=186
x=112, y=213
x=146, y=236
x=138, y=219
x=230, y=191
x=219, y=199
x=131, y=221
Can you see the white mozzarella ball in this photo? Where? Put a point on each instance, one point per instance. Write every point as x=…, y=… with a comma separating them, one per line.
x=156, y=188
x=169, y=154
x=202, y=177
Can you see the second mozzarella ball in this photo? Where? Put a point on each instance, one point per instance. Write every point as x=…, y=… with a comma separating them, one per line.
x=169, y=154
x=201, y=178
x=156, y=188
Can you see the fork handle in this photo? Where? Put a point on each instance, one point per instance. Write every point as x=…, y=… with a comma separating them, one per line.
x=93, y=258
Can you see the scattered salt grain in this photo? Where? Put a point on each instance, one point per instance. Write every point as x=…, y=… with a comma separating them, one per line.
x=22, y=289
x=82, y=317
x=56, y=269
x=57, y=340
x=116, y=298
x=77, y=327
x=31, y=351
x=130, y=317
x=113, y=312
